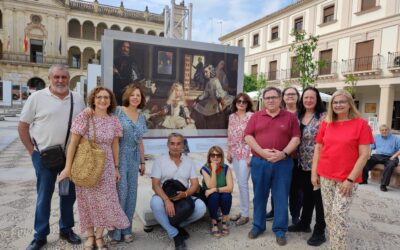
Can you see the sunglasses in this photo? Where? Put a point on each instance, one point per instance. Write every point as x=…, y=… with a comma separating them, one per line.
x=241, y=102
x=215, y=155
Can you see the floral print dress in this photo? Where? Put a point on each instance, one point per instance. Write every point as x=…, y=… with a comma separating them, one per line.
x=99, y=206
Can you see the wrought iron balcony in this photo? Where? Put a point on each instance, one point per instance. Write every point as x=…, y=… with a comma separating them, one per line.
x=362, y=65
x=393, y=63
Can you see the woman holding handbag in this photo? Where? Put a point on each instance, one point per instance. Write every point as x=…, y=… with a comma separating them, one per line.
x=131, y=156
x=98, y=206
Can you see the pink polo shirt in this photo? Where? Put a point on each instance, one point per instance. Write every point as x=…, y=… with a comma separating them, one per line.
x=273, y=132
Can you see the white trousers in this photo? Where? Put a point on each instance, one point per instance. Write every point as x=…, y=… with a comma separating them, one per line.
x=242, y=173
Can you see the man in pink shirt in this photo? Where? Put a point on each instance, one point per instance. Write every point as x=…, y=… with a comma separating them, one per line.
x=272, y=134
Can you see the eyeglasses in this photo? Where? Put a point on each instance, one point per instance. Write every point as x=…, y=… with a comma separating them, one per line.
x=241, y=102
x=271, y=98
x=290, y=94
x=215, y=155
x=339, y=102
x=99, y=97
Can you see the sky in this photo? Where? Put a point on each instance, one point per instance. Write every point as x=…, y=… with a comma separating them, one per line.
x=212, y=18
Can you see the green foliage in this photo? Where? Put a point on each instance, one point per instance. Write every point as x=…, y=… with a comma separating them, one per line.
x=305, y=64
x=252, y=83
x=351, y=80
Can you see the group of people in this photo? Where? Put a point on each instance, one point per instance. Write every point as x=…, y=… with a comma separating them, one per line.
x=118, y=131
x=304, y=156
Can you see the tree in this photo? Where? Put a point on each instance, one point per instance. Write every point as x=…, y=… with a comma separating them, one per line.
x=351, y=80
x=305, y=64
x=252, y=83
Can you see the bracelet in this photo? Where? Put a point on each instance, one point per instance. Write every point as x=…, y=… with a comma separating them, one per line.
x=349, y=180
x=116, y=166
x=286, y=154
x=142, y=163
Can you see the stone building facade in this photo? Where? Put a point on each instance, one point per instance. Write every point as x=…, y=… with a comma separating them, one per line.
x=37, y=33
x=356, y=37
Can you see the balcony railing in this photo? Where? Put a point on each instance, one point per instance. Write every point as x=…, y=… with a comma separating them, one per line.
x=15, y=57
x=393, y=60
x=328, y=69
x=368, y=63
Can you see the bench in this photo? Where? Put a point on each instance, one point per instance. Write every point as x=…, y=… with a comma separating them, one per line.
x=377, y=173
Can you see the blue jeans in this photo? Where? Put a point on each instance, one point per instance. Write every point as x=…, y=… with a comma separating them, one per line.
x=277, y=177
x=45, y=184
x=159, y=212
x=219, y=200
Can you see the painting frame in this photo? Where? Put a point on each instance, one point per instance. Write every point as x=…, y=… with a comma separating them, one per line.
x=183, y=52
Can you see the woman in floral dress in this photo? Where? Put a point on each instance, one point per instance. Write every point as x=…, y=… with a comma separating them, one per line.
x=98, y=207
x=239, y=152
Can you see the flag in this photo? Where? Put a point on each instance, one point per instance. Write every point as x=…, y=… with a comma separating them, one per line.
x=25, y=43
x=60, y=46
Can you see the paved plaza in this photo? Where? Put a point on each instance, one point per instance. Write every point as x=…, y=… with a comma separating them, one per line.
x=374, y=217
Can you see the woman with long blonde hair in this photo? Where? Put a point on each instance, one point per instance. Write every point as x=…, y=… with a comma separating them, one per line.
x=341, y=151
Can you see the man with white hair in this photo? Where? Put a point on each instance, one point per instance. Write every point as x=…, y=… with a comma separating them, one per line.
x=387, y=150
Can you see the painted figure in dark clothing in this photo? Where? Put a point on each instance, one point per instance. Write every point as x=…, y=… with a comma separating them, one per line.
x=125, y=70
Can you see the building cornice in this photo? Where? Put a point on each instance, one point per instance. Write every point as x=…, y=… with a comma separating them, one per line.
x=102, y=9
x=265, y=19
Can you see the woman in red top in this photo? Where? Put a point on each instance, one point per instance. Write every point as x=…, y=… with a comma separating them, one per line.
x=341, y=151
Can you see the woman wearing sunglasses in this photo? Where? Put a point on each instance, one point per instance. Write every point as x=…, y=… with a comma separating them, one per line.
x=239, y=152
x=218, y=183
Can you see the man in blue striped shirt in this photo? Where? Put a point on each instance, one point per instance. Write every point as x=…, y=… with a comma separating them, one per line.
x=387, y=150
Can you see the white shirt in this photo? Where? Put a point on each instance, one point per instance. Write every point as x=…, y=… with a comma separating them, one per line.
x=164, y=168
x=48, y=116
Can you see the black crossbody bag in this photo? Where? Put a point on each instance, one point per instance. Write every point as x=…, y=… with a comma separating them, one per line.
x=53, y=157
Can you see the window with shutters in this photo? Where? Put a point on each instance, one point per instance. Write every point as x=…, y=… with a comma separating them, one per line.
x=275, y=33
x=329, y=13
x=326, y=57
x=255, y=39
x=272, y=70
x=364, y=56
x=293, y=72
x=298, y=24
x=367, y=4
x=254, y=70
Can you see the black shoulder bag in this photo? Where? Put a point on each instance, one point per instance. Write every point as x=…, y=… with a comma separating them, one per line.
x=183, y=207
x=53, y=157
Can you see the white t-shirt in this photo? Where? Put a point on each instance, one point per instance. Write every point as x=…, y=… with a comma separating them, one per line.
x=164, y=168
x=48, y=116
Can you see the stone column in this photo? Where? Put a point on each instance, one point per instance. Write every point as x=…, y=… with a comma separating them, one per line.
x=386, y=105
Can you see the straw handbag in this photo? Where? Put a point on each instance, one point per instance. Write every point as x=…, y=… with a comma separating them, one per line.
x=88, y=164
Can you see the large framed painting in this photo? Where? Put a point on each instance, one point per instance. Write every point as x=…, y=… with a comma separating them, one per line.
x=189, y=86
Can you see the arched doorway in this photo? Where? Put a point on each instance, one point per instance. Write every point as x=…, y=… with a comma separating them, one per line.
x=151, y=33
x=35, y=84
x=115, y=27
x=88, y=30
x=74, y=80
x=88, y=56
x=128, y=29
x=140, y=31
x=1, y=49
x=74, y=28
x=74, y=57
x=100, y=30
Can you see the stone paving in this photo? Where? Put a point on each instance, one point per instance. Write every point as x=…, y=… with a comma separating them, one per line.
x=374, y=216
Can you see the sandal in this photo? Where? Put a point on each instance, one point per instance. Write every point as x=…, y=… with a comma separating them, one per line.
x=112, y=241
x=225, y=228
x=128, y=238
x=215, y=233
x=236, y=217
x=102, y=246
x=86, y=246
x=242, y=221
